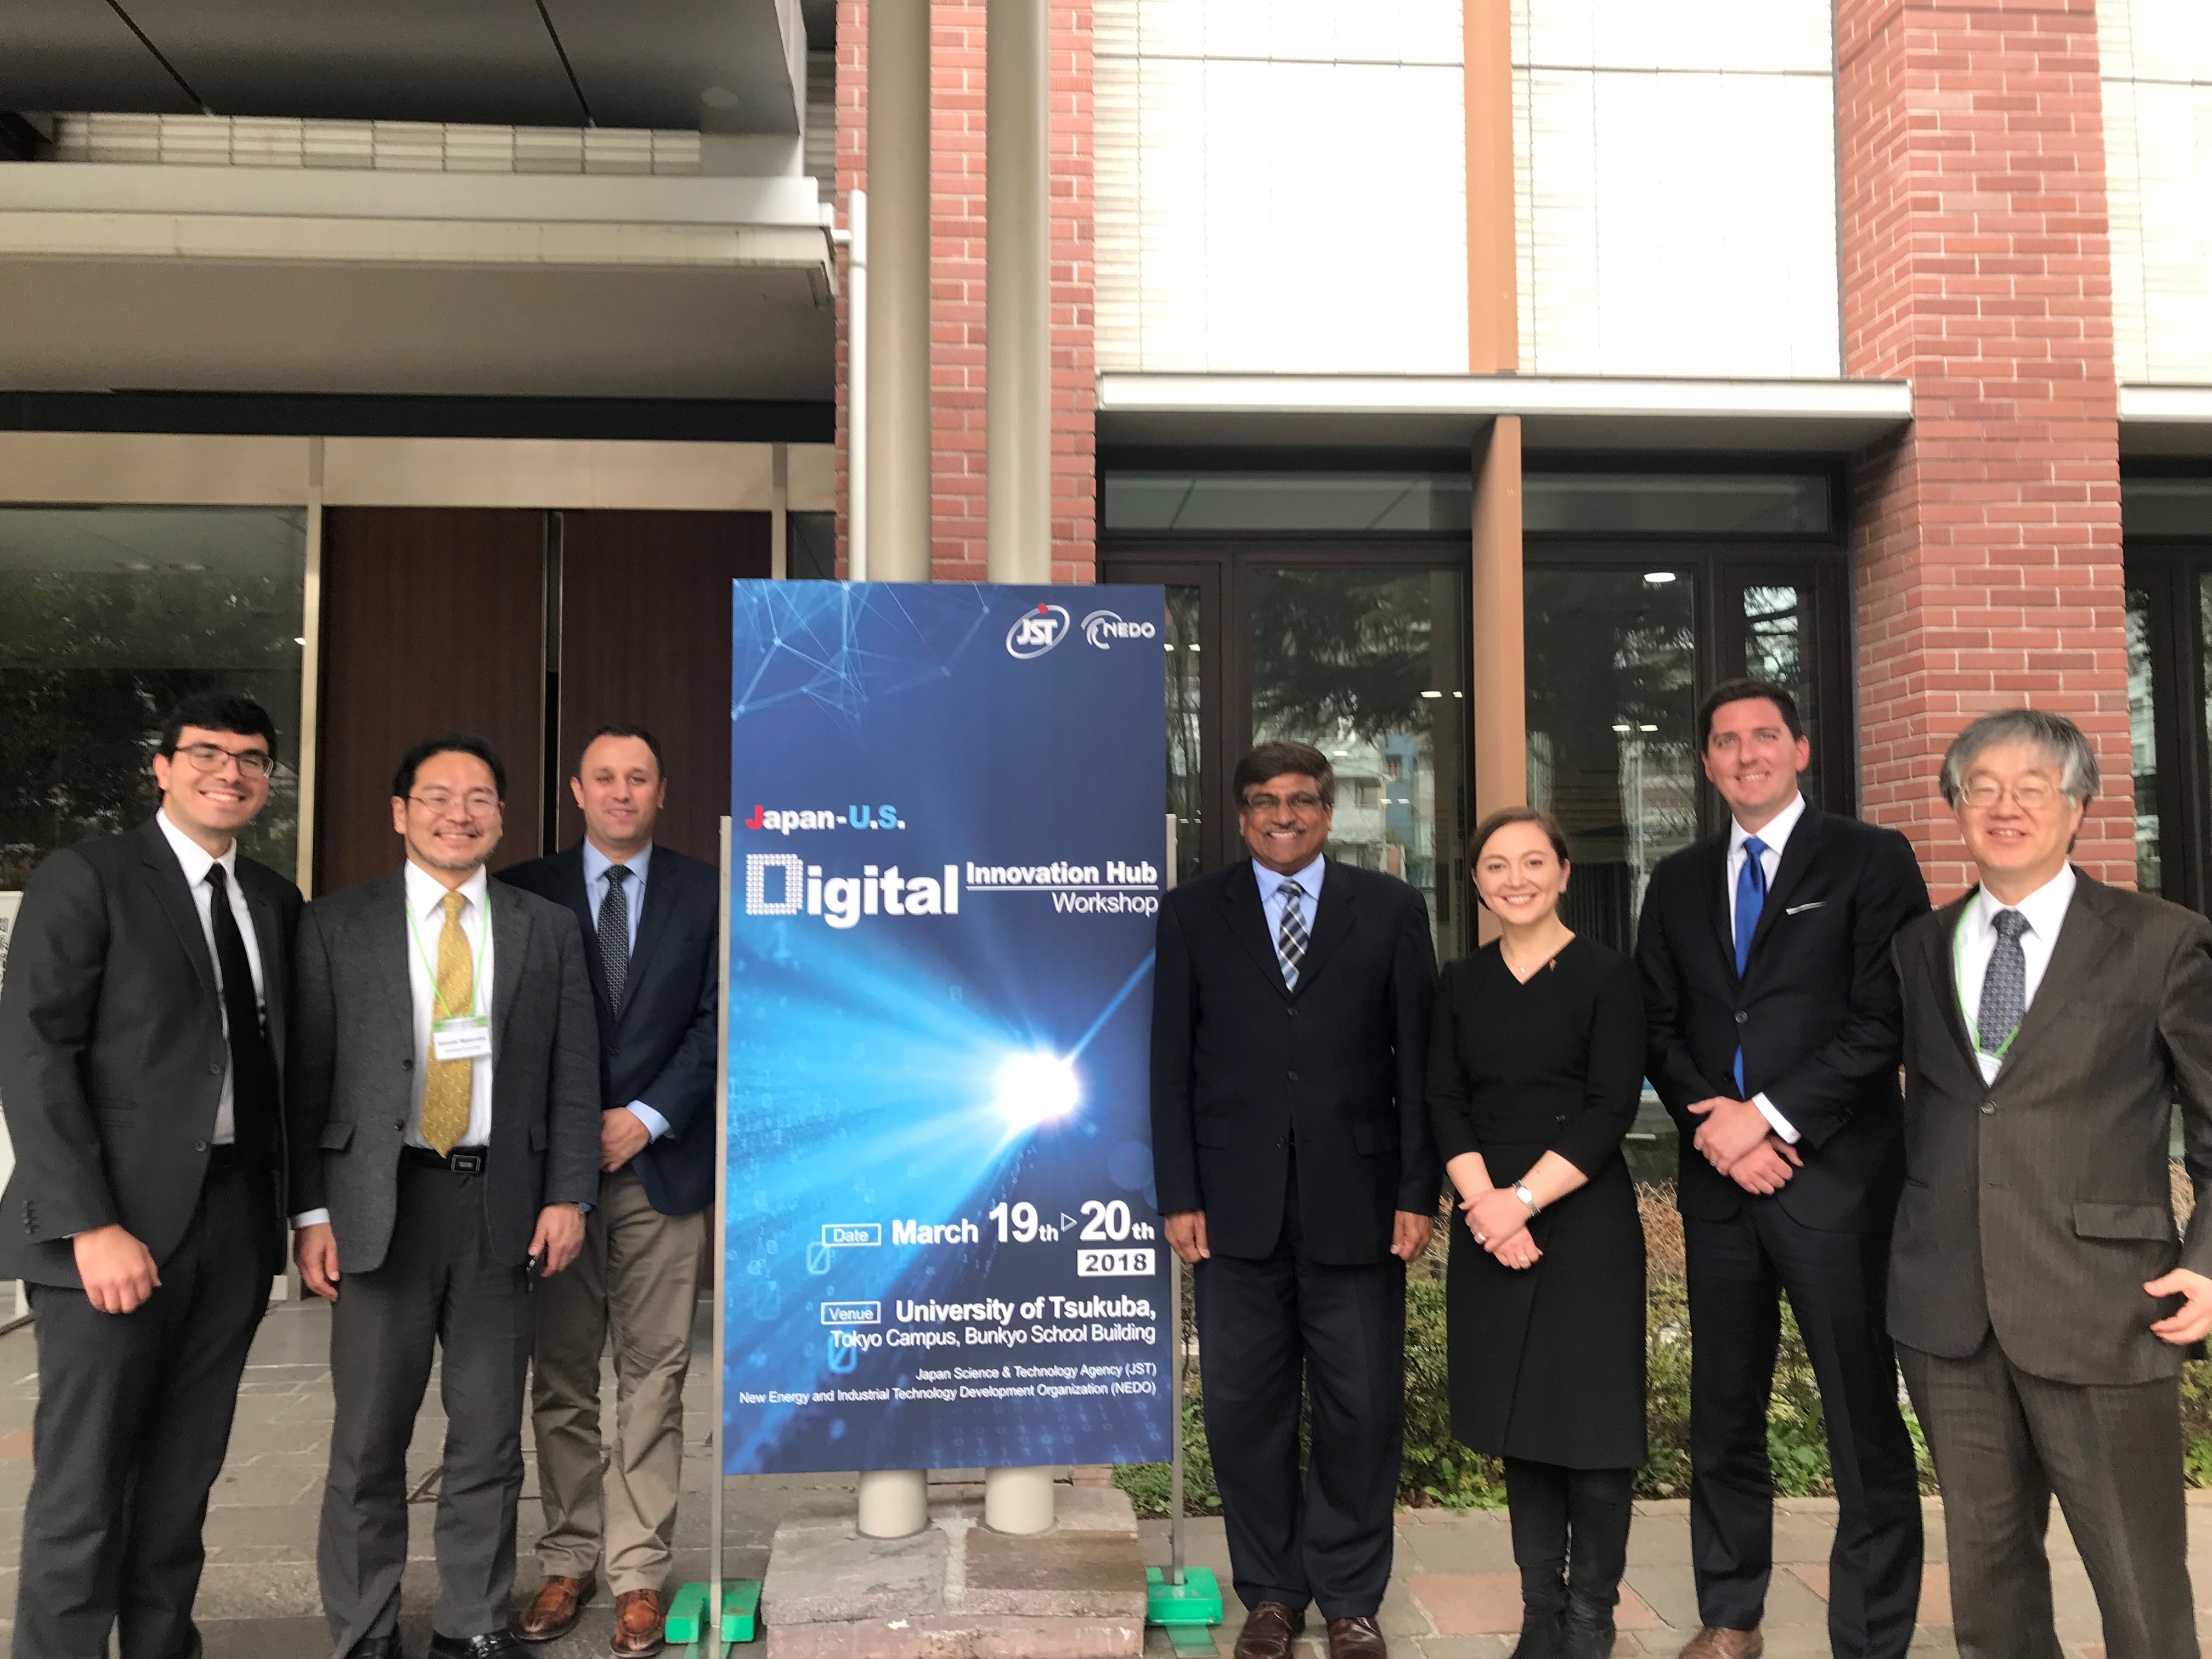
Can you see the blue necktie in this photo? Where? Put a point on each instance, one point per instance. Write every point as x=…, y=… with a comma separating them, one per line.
x=1750, y=900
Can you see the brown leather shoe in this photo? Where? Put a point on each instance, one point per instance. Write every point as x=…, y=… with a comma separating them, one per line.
x=1716, y=1642
x=1269, y=1628
x=639, y=1621
x=1356, y=1638
x=553, y=1612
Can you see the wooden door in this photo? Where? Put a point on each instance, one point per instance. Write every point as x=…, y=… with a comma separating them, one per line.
x=644, y=640
x=434, y=621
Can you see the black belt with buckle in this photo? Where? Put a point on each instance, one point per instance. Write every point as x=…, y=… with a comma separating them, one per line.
x=462, y=1160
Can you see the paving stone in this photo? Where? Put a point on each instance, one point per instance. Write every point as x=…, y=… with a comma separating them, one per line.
x=958, y=1636
x=819, y=1574
x=1061, y=1574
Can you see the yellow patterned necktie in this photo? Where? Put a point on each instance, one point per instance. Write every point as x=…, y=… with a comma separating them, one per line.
x=447, y=1086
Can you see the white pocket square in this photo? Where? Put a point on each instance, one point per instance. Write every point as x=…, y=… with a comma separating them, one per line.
x=1795, y=908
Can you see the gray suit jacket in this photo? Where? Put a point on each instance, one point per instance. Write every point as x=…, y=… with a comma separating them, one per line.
x=111, y=1051
x=2038, y=1205
x=352, y=1079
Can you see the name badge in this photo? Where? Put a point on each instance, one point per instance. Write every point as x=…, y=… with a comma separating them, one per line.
x=465, y=1037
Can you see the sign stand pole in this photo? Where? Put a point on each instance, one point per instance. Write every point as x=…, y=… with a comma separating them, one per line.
x=1185, y=1600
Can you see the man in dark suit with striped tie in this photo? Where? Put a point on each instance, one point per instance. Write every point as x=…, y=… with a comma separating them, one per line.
x=1294, y=1171
x=2041, y=1298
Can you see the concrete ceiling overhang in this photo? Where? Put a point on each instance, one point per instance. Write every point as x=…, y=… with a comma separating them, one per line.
x=276, y=280
x=1449, y=410
x=2165, y=420
x=728, y=66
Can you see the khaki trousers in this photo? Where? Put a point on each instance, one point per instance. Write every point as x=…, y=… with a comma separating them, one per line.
x=638, y=1275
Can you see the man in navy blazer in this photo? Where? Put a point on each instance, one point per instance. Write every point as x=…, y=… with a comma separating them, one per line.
x=650, y=917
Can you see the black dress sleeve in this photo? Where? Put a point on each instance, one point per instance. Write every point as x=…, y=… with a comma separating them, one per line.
x=1451, y=1090
x=1613, y=1072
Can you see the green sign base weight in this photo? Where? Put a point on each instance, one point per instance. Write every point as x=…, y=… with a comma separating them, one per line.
x=740, y=1612
x=1196, y=1600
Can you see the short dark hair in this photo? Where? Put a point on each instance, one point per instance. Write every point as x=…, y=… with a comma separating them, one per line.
x=453, y=743
x=617, y=729
x=1272, y=760
x=1505, y=815
x=217, y=711
x=1746, y=690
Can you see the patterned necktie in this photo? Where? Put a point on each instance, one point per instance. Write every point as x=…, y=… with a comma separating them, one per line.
x=1750, y=900
x=2004, y=988
x=448, y=1083
x=252, y=1063
x=1290, y=939
x=614, y=936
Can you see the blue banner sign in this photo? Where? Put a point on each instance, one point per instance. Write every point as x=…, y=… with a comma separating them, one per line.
x=947, y=850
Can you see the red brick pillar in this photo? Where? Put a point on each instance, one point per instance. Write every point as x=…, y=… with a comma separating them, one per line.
x=1976, y=264
x=957, y=85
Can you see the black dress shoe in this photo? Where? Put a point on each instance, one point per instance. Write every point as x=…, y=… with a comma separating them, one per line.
x=492, y=1645
x=377, y=1647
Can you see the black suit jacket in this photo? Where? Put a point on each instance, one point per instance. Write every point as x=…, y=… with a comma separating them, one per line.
x=1242, y=1069
x=661, y=1048
x=111, y=1051
x=2040, y=1205
x=1816, y=1013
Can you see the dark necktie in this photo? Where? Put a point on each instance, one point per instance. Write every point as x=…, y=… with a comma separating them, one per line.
x=252, y=1065
x=1290, y=940
x=2004, y=987
x=1750, y=900
x=614, y=936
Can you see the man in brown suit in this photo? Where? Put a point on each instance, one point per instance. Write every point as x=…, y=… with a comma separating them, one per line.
x=2040, y=1298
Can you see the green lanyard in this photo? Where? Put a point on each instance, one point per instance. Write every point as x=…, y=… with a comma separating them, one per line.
x=438, y=1009
x=1973, y=1026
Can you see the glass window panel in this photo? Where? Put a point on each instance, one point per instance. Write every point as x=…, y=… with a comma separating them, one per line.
x=2166, y=507
x=1776, y=503
x=1779, y=646
x=108, y=615
x=1612, y=690
x=2142, y=743
x=1367, y=665
x=810, y=546
x=1341, y=501
x=1186, y=784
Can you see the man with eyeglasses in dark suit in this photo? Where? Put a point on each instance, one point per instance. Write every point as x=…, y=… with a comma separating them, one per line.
x=142, y=1037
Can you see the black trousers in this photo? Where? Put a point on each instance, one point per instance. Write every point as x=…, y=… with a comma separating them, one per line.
x=1266, y=1326
x=438, y=1288
x=133, y=1420
x=1570, y=1530
x=1837, y=1284
x=2004, y=1442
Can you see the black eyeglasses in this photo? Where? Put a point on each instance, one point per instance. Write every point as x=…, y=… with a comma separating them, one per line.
x=209, y=758
x=1304, y=801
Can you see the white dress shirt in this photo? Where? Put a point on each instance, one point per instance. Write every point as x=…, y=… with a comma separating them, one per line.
x=196, y=862
x=1271, y=894
x=1774, y=836
x=2045, y=911
x=426, y=908
x=596, y=865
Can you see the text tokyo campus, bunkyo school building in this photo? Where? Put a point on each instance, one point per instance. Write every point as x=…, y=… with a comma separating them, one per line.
x=1481, y=381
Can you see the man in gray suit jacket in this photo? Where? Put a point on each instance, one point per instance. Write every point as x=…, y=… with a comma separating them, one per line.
x=444, y=1142
x=2040, y=1298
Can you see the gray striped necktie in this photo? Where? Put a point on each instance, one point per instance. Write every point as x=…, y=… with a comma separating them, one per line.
x=1290, y=939
x=2004, y=988
x=614, y=936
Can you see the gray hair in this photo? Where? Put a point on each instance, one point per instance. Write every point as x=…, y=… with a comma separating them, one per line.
x=2063, y=744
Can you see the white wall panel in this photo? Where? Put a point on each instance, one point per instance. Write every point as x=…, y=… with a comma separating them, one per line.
x=1280, y=186
x=2157, y=63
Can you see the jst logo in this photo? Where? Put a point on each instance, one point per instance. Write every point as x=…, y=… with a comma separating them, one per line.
x=1036, y=632
x=1102, y=627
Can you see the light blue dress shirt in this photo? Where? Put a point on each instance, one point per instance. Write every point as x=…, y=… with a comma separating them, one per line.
x=596, y=865
x=1271, y=897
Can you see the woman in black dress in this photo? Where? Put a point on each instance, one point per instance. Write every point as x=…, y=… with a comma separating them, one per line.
x=1535, y=1067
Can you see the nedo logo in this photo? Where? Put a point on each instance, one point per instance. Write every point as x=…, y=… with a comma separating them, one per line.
x=1102, y=627
x=1036, y=632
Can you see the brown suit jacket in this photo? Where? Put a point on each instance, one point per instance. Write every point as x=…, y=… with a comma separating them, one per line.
x=2038, y=1205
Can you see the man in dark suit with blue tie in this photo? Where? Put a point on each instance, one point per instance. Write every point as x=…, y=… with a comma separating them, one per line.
x=651, y=919
x=1775, y=1030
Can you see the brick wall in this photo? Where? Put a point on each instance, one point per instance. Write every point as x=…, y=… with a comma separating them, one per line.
x=956, y=302
x=1976, y=264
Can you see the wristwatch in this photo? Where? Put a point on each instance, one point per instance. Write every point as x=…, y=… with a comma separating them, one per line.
x=1521, y=1191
